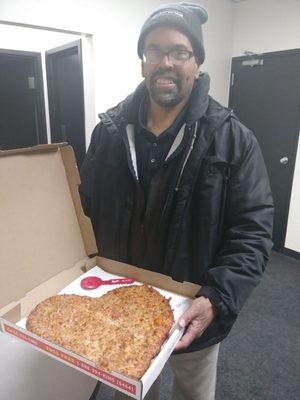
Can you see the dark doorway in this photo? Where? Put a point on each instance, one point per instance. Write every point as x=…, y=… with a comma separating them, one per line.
x=265, y=94
x=66, y=100
x=22, y=108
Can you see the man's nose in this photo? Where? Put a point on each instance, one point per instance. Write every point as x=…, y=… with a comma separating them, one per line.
x=165, y=62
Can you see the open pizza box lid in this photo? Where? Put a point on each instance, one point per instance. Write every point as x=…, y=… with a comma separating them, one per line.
x=47, y=243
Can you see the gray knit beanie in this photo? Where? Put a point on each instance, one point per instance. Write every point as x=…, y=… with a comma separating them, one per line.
x=188, y=18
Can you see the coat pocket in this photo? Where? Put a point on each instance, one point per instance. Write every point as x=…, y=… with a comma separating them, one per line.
x=211, y=190
x=214, y=165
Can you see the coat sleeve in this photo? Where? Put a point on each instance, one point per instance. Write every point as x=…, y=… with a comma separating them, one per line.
x=87, y=171
x=246, y=241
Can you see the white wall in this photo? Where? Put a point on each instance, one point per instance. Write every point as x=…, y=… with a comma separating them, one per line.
x=293, y=232
x=266, y=26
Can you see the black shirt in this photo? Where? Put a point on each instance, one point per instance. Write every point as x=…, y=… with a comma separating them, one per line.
x=151, y=154
x=152, y=150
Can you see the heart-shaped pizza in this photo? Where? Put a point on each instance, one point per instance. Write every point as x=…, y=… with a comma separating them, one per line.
x=121, y=331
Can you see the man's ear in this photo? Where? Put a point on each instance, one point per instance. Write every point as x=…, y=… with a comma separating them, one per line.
x=142, y=69
x=198, y=71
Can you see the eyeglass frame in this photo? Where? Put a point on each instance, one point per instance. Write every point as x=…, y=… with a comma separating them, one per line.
x=167, y=53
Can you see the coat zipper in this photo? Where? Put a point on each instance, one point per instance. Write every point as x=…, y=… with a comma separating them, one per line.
x=224, y=198
x=188, y=155
x=175, y=189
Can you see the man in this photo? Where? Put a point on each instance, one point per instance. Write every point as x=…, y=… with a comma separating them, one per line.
x=173, y=182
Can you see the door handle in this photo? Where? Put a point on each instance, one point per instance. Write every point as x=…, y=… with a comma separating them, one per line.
x=284, y=160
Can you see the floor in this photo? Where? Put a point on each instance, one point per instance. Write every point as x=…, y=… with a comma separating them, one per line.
x=260, y=359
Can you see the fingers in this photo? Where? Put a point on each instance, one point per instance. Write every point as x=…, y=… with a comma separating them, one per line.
x=191, y=313
x=200, y=308
x=196, y=318
x=191, y=334
x=196, y=308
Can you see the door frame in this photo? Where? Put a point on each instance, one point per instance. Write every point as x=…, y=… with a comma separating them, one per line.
x=282, y=53
x=39, y=86
x=51, y=84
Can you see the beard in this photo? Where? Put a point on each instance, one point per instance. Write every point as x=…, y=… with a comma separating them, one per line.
x=166, y=97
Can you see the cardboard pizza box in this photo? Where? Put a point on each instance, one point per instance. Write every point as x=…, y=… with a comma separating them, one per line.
x=47, y=247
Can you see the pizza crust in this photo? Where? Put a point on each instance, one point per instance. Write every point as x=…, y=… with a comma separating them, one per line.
x=121, y=331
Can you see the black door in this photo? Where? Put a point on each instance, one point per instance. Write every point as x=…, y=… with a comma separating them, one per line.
x=66, y=101
x=22, y=112
x=265, y=95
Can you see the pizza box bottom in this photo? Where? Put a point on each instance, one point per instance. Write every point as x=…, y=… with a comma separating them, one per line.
x=136, y=389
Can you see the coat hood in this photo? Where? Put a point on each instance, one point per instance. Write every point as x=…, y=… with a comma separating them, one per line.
x=200, y=105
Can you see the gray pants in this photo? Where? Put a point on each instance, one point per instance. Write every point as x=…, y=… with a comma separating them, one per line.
x=194, y=376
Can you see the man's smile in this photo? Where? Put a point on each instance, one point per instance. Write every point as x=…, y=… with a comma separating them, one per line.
x=165, y=83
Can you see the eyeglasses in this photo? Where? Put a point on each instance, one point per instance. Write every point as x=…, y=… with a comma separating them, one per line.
x=176, y=57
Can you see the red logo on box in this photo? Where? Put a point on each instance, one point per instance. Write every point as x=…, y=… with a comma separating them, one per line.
x=72, y=360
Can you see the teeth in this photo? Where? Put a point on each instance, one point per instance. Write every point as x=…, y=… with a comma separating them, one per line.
x=164, y=81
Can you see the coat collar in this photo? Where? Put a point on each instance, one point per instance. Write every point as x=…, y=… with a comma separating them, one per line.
x=126, y=112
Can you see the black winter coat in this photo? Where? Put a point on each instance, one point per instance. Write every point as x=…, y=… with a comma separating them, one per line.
x=215, y=212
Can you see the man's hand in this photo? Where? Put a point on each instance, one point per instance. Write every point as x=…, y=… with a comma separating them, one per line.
x=196, y=318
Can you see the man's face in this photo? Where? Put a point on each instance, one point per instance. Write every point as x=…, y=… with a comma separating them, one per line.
x=169, y=83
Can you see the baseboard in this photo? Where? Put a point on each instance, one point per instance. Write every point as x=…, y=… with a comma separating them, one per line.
x=290, y=253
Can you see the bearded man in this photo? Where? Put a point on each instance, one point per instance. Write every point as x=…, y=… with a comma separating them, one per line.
x=174, y=183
